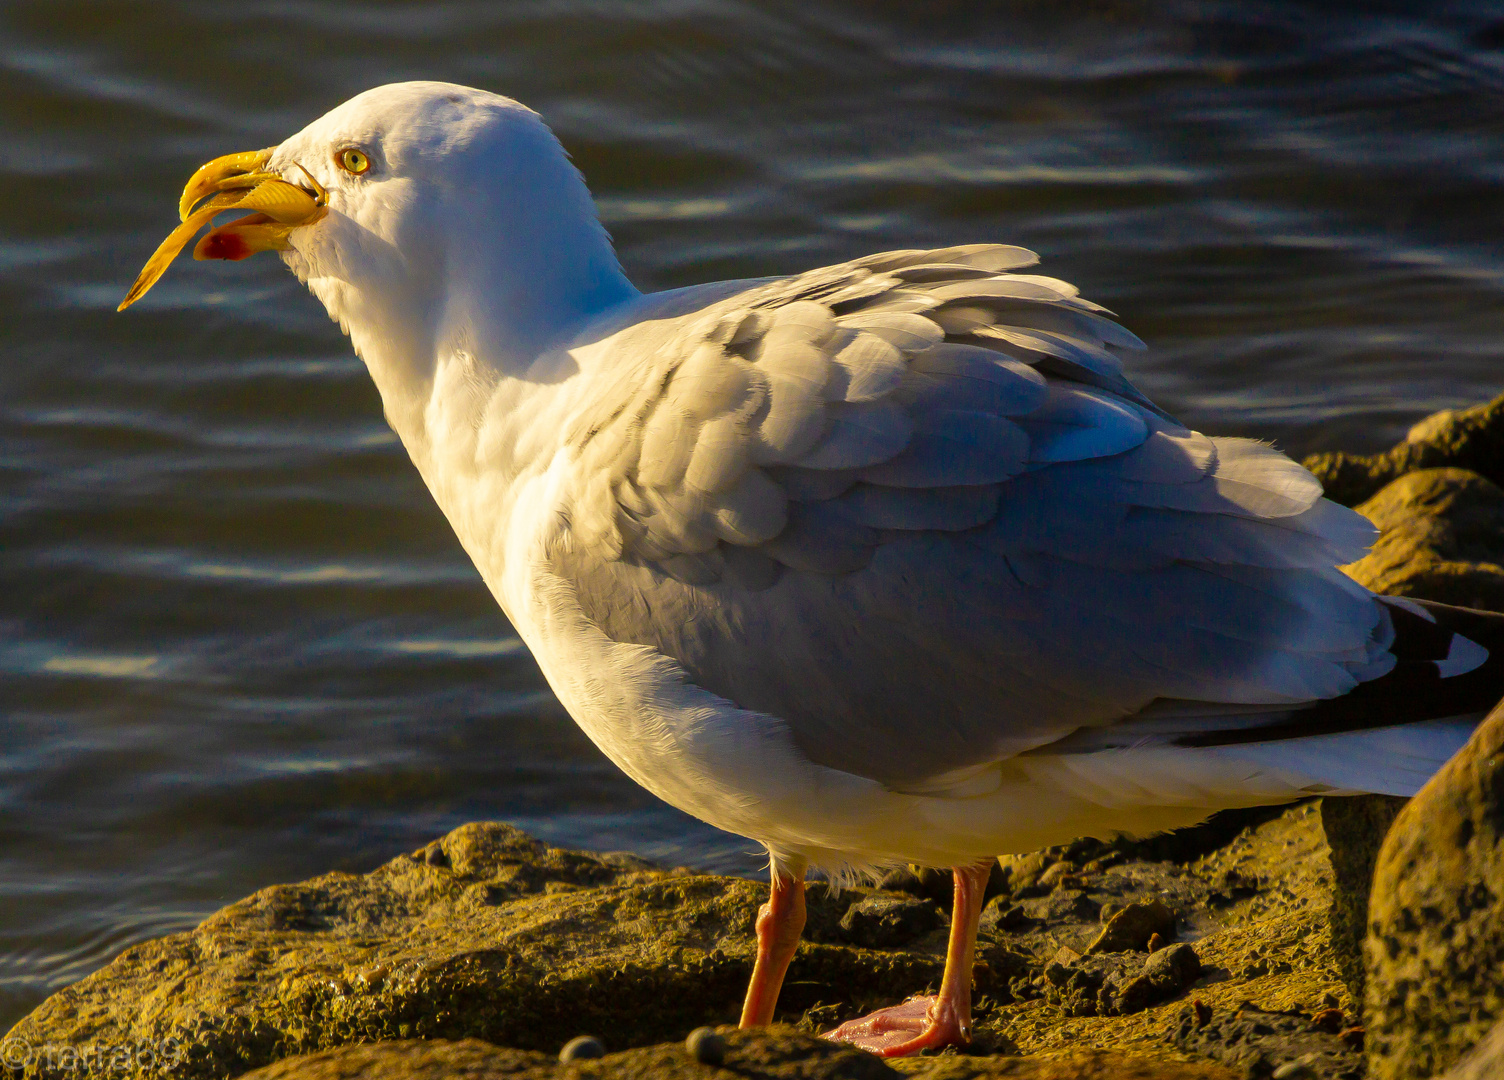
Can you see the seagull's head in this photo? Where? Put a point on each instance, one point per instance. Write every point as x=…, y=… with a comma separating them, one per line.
x=413, y=204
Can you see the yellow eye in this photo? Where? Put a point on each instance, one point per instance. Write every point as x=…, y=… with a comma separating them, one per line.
x=353, y=161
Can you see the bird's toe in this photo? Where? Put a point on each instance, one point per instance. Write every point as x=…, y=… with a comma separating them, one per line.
x=903, y=1029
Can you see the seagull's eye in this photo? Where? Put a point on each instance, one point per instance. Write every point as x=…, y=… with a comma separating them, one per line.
x=353, y=161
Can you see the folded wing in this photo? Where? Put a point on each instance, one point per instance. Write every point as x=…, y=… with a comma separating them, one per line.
x=916, y=492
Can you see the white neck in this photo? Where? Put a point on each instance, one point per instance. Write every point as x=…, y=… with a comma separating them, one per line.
x=514, y=262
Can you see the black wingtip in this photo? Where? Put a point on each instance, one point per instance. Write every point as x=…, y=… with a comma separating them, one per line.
x=1449, y=662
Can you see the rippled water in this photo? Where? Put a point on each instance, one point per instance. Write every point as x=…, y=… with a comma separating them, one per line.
x=237, y=642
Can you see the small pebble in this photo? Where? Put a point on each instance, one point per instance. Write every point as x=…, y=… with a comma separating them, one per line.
x=1328, y=1020
x=581, y=1048
x=706, y=1046
x=1055, y=871
x=1294, y=1070
x=1203, y=1013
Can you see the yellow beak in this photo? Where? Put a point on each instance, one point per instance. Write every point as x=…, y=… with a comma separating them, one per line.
x=234, y=182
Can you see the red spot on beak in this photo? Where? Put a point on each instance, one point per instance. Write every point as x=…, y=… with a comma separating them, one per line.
x=225, y=245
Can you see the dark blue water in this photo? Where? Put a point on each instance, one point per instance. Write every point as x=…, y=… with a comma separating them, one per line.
x=237, y=642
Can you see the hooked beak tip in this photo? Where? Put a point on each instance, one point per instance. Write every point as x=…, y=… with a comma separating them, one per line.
x=207, y=177
x=235, y=181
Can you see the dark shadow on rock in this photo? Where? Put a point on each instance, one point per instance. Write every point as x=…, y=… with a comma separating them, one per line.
x=1355, y=828
x=773, y=1054
x=753, y=1056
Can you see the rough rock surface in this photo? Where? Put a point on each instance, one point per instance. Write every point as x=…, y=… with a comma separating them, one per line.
x=1258, y=1041
x=1133, y=927
x=488, y=934
x=1435, y=944
x=750, y=1056
x=1118, y=984
x=772, y=1054
x=882, y=922
x=485, y=934
x=1464, y=438
x=414, y=1059
x=1255, y=907
x=1443, y=539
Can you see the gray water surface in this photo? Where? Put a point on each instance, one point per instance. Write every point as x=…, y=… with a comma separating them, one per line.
x=238, y=644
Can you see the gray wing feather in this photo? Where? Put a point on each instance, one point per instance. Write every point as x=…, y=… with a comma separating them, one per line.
x=821, y=539
x=955, y=446
x=944, y=272
x=813, y=485
x=1076, y=423
x=792, y=422
x=899, y=301
x=961, y=375
x=720, y=455
x=1012, y=288
x=753, y=512
x=919, y=484
x=1085, y=326
x=667, y=446
x=951, y=509
x=905, y=331
x=994, y=257
x=868, y=368
x=860, y=433
x=1170, y=455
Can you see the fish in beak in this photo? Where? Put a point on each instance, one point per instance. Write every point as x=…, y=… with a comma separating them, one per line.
x=234, y=182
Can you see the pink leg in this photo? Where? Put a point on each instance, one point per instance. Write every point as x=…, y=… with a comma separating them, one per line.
x=945, y=1018
x=779, y=924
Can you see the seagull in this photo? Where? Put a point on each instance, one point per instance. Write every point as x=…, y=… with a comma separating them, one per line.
x=882, y=563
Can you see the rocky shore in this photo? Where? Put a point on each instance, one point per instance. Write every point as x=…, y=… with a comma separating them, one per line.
x=1245, y=947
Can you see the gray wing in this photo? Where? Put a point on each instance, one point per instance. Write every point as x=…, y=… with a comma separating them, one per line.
x=912, y=506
